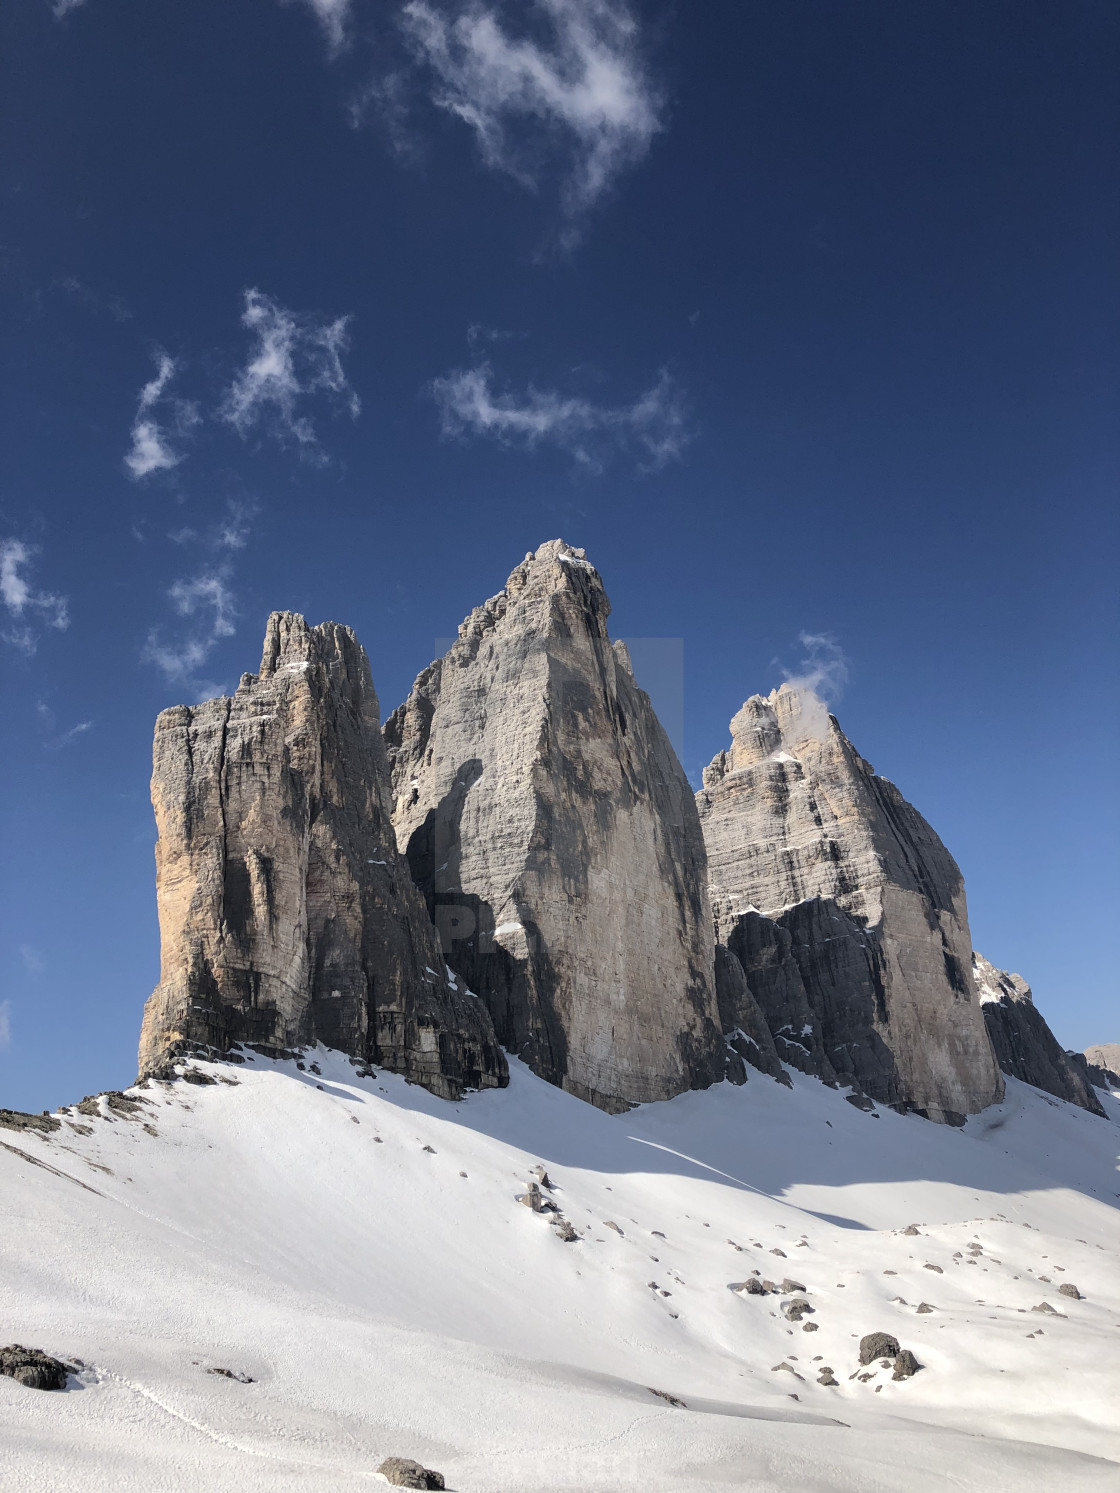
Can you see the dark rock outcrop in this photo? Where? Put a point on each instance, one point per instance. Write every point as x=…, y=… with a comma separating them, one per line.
x=15, y=1119
x=33, y=1367
x=741, y=1017
x=1024, y=1045
x=553, y=832
x=403, y=1472
x=877, y=1345
x=286, y=915
x=846, y=913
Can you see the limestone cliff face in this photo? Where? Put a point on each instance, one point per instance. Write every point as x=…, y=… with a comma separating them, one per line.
x=554, y=834
x=286, y=914
x=1024, y=1045
x=846, y=912
x=1102, y=1062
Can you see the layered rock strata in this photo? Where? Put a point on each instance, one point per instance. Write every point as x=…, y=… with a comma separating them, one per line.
x=1024, y=1045
x=744, y=1026
x=846, y=913
x=286, y=914
x=554, y=835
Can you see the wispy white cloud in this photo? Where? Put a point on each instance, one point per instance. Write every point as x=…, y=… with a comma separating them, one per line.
x=64, y=7
x=33, y=961
x=54, y=740
x=151, y=450
x=295, y=355
x=557, y=79
x=23, y=603
x=208, y=607
x=333, y=16
x=653, y=429
x=5, y=1025
x=820, y=678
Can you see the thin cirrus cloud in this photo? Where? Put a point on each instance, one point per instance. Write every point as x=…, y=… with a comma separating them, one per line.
x=24, y=604
x=574, y=89
x=151, y=449
x=333, y=16
x=204, y=605
x=295, y=356
x=653, y=430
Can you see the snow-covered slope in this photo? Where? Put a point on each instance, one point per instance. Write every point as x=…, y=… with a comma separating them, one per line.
x=356, y=1247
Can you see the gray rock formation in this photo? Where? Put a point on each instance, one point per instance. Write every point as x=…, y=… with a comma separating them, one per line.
x=741, y=1017
x=554, y=835
x=1103, y=1062
x=33, y=1368
x=1024, y=1045
x=846, y=913
x=286, y=914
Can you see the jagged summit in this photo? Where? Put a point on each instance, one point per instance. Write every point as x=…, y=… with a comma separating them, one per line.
x=553, y=832
x=286, y=914
x=845, y=910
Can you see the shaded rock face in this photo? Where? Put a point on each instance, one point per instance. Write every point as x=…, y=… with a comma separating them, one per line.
x=846, y=913
x=554, y=835
x=741, y=1017
x=286, y=914
x=1103, y=1064
x=1024, y=1045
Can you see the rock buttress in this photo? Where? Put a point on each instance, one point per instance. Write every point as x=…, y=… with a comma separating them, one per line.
x=286, y=914
x=846, y=913
x=1024, y=1045
x=554, y=835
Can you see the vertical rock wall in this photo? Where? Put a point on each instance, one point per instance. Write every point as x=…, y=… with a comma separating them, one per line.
x=286, y=914
x=1024, y=1045
x=555, y=836
x=846, y=912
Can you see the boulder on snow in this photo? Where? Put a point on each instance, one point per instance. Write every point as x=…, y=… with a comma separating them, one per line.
x=877, y=1345
x=791, y=1285
x=14, y=1119
x=752, y=1286
x=924, y=1308
x=905, y=1365
x=1067, y=1288
x=33, y=1367
x=403, y=1472
x=796, y=1309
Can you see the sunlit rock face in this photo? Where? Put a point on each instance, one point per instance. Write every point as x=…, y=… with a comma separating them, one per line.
x=846, y=913
x=554, y=833
x=1024, y=1045
x=286, y=914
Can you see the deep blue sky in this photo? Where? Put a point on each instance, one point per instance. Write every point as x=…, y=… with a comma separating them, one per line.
x=827, y=345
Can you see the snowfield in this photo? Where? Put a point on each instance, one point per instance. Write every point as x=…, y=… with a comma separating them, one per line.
x=355, y=1247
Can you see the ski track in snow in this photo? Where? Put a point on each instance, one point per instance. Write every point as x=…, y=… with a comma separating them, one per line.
x=385, y=1304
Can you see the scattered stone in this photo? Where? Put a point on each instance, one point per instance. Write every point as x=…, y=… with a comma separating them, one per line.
x=905, y=1365
x=229, y=1374
x=752, y=1286
x=911, y=1229
x=33, y=1368
x=877, y=1345
x=196, y=1076
x=1067, y=1288
x=403, y=1472
x=770, y=1287
x=810, y=1326
x=924, y=1308
x=1044, y=1306
x=431, y=1150
x=788, y=1367
x=935, y=1268
x=608, y=1224
x=779, y=1252
x=543, y=1178
x=827, y=1378
x=791, y=1285
x=861, y=1101
x=532, y=1199
x=794, y=1310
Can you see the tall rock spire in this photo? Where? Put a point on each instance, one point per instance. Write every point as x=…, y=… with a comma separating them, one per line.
x=286, y=914
x=555, y=836
x=845, y=911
